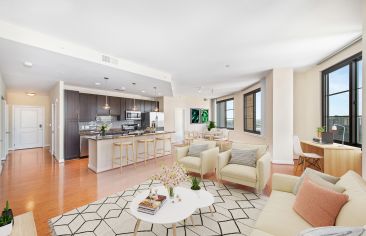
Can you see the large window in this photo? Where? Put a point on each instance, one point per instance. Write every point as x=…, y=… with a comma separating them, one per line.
x=342, y=100
x=252, y=112
x=225, y=114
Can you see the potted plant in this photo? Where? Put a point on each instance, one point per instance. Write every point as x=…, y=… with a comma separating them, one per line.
x=320, y=130
x=103, y=129
x=211, y=125
x=195, y=183
x=6, y=221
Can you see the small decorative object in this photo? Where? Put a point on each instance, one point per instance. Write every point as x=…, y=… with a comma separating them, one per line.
x=6, y=221
x=320, y=130
x=171, y=177
x=195, y=183
x=103, y=129
x=211, y=125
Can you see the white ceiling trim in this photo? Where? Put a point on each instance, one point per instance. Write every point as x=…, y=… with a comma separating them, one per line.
x=36, y=39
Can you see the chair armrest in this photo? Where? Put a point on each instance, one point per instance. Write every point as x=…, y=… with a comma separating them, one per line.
x=263, y=170
x=284, y=183
x=181, y=152
x=208, y=159
x=222, y=160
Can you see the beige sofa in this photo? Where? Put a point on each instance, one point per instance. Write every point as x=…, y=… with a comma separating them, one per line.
x=279, y=219
x=245, y=175
x=204, y=164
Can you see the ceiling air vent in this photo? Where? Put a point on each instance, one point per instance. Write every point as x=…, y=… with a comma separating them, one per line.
x=109, y=60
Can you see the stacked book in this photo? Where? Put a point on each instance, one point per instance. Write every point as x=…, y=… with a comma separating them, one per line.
x=151, y=205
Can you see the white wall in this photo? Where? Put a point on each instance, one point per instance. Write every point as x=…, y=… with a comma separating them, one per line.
x=2, y=118
x=307, y=94
x=57, y=98
x=169, y=104
x=282, y=116
x=364, y=90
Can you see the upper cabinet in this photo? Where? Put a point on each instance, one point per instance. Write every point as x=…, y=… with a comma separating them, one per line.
x=147, y=105
x=71, y=105
x=101, y=100
x=88, y=107
x=123, y=108
x=115, y=103
x=129, y=104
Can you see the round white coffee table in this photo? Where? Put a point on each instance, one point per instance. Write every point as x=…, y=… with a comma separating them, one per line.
x=205, y=199
x=170, y=213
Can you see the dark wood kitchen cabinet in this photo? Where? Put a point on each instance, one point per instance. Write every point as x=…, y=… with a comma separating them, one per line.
x=71, y=129
x=115, y=103
x=87, y=107
x=100, y=105
x=129, y=104
x=123, y=108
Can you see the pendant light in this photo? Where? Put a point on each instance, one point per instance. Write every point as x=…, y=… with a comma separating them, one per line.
x=106, y=105
x=134, y=108
x=156, y=109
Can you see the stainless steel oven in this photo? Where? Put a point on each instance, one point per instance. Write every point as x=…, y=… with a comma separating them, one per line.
x=133, y=115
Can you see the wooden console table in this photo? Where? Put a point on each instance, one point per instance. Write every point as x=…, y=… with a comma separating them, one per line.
x=338, y=158
x=24, y=225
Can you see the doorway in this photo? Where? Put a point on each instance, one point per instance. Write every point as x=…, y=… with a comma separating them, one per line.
x=28, y=123
x=179, y=124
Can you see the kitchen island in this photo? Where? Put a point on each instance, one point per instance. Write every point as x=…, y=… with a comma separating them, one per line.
x=102, y=150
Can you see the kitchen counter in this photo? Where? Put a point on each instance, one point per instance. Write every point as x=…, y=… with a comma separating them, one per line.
x=101, y=149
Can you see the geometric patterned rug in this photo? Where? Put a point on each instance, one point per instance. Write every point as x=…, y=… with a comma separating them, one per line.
x=235, y=213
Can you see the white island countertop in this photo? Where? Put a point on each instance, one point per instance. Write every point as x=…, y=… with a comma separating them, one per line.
x=101, y=149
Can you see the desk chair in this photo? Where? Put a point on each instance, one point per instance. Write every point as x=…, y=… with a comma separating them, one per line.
x=312, y=159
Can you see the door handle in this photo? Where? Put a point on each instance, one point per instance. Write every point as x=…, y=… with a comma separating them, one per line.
x=40, y=126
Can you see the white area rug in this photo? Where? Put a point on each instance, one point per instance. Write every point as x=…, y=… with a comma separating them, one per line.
x=235, y=214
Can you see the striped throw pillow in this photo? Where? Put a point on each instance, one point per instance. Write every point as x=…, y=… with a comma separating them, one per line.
x=246, y=157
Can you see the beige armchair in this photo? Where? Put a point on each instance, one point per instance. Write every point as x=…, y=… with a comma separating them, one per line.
x=203, y=164
x=245, y=175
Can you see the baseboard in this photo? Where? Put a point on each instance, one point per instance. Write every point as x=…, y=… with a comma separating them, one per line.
x=281, y=162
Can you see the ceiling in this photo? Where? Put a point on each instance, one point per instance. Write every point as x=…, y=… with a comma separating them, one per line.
x=213, y=46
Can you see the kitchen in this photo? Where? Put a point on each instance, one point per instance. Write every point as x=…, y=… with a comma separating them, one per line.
x=126, y=118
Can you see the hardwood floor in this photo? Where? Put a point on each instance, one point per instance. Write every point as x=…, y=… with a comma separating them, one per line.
x=33, y=181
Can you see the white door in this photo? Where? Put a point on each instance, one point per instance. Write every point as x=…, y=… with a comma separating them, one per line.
x=6, y=130
x=28, y=126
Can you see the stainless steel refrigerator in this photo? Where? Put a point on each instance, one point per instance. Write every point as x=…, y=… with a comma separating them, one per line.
x=153, y=119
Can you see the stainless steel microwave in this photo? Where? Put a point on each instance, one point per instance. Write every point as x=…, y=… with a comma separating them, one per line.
x=133, y=115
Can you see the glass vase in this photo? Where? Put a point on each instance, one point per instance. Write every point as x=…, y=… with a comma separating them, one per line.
x=171, y=192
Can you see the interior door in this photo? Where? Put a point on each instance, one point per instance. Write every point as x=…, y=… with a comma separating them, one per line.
x=53, y=126
x=28, y=127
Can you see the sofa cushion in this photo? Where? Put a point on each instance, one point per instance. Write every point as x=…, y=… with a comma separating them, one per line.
x=196, y=149
x=318, y=205
x=354, y=212
x=261, y=148
x=190, y=162
x=278, y=218
x=309, y=171
x=244, y=157
x=334, y=231
x=241, y=172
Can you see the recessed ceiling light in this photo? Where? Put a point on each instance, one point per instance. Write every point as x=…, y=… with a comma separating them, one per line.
x=227, y=66
x=142, y=91
x=27, y=64
x=123, y=88
x=97, y=83
x=31, y=94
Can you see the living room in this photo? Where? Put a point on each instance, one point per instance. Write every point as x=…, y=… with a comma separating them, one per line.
x=171, y=118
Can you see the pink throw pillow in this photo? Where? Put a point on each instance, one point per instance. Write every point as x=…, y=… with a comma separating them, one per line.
x=319, y=206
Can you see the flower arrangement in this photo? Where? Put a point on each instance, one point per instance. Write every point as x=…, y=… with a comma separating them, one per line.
x=103, y=129
x=171, y=177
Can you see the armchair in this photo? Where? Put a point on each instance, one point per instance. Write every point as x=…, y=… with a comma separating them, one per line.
x=253, y=177
x=203, y=164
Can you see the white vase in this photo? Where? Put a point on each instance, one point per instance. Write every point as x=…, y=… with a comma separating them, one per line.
x=6, y=229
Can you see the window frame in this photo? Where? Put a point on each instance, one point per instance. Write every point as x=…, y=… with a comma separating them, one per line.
x=352, y=100
x=225, y=101
x=253, y=92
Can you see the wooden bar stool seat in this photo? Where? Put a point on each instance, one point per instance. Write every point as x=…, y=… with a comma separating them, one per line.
x=146, y=143
x=164, y=139
x=121, y=146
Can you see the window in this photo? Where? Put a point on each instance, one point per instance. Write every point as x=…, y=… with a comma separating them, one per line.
x=252, y=112
x=225, y=114
x=342, y=100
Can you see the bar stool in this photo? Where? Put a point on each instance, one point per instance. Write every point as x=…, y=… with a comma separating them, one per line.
x=146, y=148
x=122, y=145
x=164, y=139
